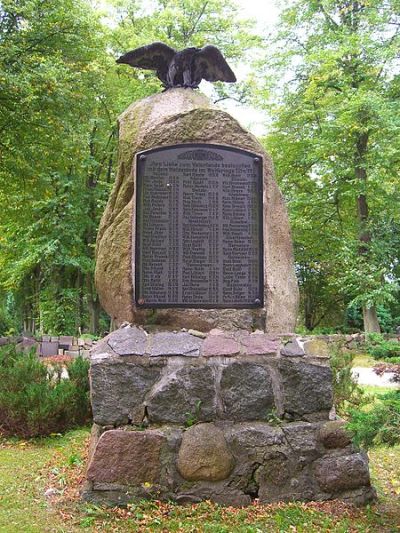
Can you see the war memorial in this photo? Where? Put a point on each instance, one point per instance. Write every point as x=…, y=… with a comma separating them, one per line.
x=203, y=391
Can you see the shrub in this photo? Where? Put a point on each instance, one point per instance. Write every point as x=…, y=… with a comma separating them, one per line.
x=34, y=398
x=347, y=393
x=380, y=424
x=380, y=348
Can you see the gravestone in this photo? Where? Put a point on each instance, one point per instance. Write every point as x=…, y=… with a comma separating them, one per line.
x=236, y=408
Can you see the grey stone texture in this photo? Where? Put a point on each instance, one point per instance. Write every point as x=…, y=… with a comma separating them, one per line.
x=336, y=474
x=129, y=340
x=292, y=349
x=183, y=393
x=259, y=425
x=307, y=389
x=246, y=391
x=174, y=117
x=333, y=434
x=175, y=344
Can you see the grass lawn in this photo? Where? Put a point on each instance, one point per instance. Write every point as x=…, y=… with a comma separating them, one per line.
x=29, y=468
x=364, y=360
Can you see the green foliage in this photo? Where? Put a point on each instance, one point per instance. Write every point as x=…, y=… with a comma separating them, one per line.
x=193, y=417
x=335, y=145
x=380, y=348
x=347, y=393
x=34, y=398
x=353, y=320
x=61, y=94
x=378, y=425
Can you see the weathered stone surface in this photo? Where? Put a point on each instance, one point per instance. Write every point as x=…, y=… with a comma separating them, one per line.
x=174, y=117
x=220, y=345
x=316, y=348
x=175, y=344
x=127, y=457
x=183, y=393
x=307, y=388
x=118, y=390
x=204, y=454
x=258, y=344
x=302, y=439
x=255, y=435
x=246, y=391
x=333, y=434
x=128, y=340
x=336, y=474
x=275, y=469
x=292, y=349
x=227, y=463
x=27, y=344
x=237, y=455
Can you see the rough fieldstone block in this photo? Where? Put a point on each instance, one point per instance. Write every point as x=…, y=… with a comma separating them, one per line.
x=175, y=344
x=183, y=393
x=334, y=434
x=204, y=454
x=336, y=474
x=259, y=344
x=307, y=388
x=128, y=341
x=250, y=442
x=275, y=470
x=316, y=348
x=118, y=391
x=127, y=457
x=292, y=349
x=246, y=391
x=302, y=438
x=220, y=345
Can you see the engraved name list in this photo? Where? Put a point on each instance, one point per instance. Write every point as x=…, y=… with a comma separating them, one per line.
x=199, y=240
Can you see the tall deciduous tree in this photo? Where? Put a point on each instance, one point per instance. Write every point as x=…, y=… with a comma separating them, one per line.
x=336, y=143
x=61, y=93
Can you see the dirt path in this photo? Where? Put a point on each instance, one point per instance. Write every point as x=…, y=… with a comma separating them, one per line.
x=366, y=376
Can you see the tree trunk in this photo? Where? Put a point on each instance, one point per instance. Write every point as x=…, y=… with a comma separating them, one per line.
x=308, y=312
x=371, y=324
x=93, y=306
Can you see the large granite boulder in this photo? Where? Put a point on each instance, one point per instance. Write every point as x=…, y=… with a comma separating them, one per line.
x=174, y=117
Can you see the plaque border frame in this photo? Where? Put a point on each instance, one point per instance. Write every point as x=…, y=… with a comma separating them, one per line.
x=138, y=162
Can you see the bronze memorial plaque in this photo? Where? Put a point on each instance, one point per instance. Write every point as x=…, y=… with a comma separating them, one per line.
x=199, y=227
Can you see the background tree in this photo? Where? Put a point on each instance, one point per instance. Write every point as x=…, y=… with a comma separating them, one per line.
x=336, y=146
x=61, y=93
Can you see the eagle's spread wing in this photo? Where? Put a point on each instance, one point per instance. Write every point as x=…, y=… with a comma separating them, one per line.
x=155, y=56
x=211, y=65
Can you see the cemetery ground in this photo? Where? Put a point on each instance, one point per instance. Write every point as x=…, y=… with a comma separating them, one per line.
x=40, y=481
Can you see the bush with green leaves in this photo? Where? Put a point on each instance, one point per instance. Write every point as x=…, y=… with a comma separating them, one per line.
x=378, y=425
x=380, y=348
x=346, y=392
x=36, y=399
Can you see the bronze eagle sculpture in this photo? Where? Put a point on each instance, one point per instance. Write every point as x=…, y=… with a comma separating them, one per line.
x=181, y=69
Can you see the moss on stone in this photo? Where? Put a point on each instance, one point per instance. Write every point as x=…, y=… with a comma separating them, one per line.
x=175, y=117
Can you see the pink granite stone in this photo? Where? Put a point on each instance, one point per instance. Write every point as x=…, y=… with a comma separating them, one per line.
x=126, y=457
x=220, y=345
x=257, y=344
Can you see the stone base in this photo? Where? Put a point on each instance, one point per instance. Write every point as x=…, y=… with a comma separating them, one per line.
x=230, y=418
